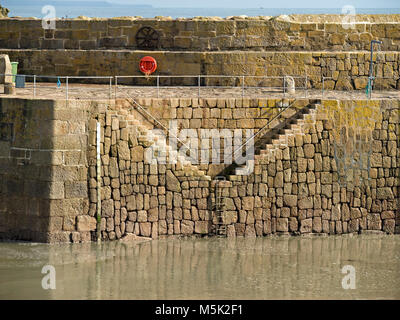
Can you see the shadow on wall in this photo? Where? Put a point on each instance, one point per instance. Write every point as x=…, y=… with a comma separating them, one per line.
x=43, y=173
x=25, y=171
x=275, y=128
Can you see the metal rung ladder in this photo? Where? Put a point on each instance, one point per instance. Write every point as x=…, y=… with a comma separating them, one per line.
x=220, y=228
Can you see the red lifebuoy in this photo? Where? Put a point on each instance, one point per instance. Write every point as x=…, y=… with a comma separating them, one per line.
x=148, y=65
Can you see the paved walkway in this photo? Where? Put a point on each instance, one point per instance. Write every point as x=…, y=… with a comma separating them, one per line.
x=102, y=92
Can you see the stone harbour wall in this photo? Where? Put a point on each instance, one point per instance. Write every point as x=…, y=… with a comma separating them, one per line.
x=283, y=33
x=336, y=173
x=327, y=179
x=342, y=70
x=339, y=175
x=43, y=171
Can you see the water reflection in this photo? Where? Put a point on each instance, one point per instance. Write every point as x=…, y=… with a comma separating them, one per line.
x=242, y=268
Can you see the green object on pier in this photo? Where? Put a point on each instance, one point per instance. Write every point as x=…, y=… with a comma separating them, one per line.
x=368, y=88
x=14, y=70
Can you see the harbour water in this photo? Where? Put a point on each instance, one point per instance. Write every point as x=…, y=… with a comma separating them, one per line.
x=102, y=9
x=214, y=268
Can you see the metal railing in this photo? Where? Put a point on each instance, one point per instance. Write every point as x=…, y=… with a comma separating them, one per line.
x=202, y=86
x=200, y=83
x=43, y=85
x=135, y=103
x=67, y=86
x=78, y=89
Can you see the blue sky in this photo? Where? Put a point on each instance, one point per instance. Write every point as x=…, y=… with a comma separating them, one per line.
x=262, y=3
x=267, y=4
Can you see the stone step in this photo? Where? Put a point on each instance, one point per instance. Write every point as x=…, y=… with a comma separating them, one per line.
x=270, y=147
x=184, y=162
x=266, y=153
x=290, y=134
x=234, y=178
x=288, y=131
x=135, y=122
x=279, y=138
x=141, y=127
x=151, y=138
x=277, y=142
x=309, y=116
x=246, y=169
x=162, y=145
x=283, y=137
x=296, y=132
x=295, y=126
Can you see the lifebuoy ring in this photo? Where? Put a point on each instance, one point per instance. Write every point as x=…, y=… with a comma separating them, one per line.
x=148, y=65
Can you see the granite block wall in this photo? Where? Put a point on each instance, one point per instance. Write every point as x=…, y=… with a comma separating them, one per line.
x=325, y=179
x=342, y=70
x=43, y=172
x=336, y=173
x=283, y=33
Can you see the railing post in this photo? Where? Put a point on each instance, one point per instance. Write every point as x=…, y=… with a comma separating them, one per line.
x=115, y=89
x=66, y=85
x=371, y=86
x=34, y=86
x=158, y=86
x=284, y=86
x=198, y=84
x=109, y=91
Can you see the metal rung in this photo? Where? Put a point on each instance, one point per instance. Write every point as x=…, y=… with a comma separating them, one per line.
x=220, y=227
x=221, y=230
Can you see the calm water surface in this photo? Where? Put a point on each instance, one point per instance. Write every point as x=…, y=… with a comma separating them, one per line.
x=263, y=268
x=71, y=9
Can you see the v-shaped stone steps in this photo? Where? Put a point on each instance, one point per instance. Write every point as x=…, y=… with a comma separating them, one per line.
x=279, y=141
x=150, y=138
